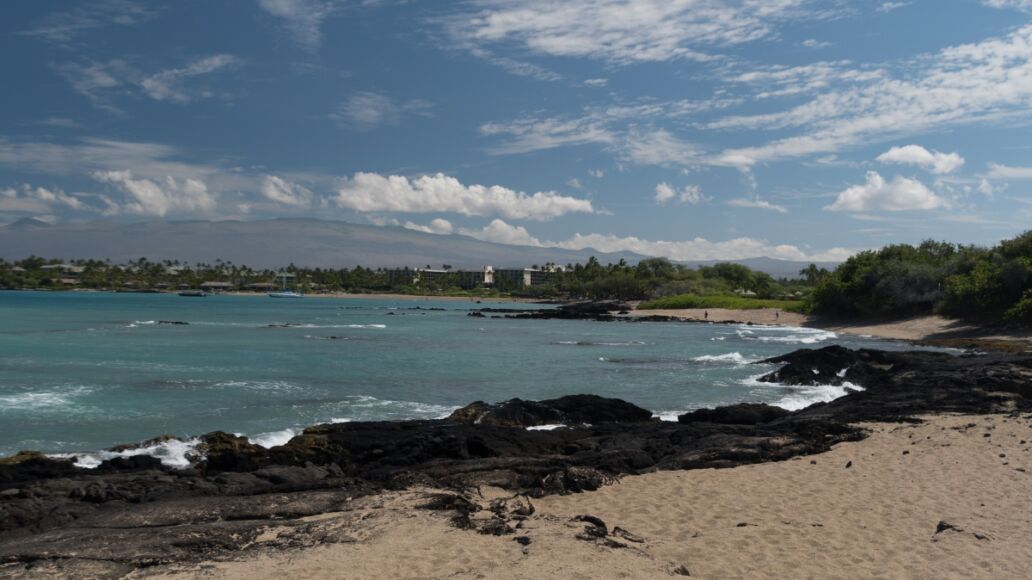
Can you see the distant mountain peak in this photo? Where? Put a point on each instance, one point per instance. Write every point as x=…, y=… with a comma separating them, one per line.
x=26, y=224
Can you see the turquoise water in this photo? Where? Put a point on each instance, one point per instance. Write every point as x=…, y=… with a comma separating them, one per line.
x=84, y=371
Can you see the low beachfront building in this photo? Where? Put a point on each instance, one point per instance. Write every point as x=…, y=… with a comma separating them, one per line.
x=217, y=286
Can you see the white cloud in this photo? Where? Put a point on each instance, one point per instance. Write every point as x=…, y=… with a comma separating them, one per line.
x=599, y=82
x=500, y=232
x=757, y=204
x=437, y=226
x=597, y=173
x=814, y=43
x=95, y=80
x=701, y=248
x=167, y=85
x=691, y=194
x=372, y=192
x=279, y=190
x=658, y=147
x=302, y=18
x=621, y=31
x=366, y=110
x=934, y=161
x=65, y=26
x=1008, y=172
x=37, y=199
x=900, y=194
x=971, y=83
x=891, y=6
x=529, y=134
x=575, y=183
x=159, y=197
x=1013, y=4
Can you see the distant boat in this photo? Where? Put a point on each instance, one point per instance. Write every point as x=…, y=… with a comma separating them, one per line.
x=284, y=293
x=193, y=293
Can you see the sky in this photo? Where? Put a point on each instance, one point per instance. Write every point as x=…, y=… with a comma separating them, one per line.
x=691, y=129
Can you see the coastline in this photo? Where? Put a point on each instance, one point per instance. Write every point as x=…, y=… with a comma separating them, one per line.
x=807, y=517
x=930, y=329
x=885, y=481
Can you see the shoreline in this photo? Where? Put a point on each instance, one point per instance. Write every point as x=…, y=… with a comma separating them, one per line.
x=931, y=329
x=871, y=508
x=479, y=494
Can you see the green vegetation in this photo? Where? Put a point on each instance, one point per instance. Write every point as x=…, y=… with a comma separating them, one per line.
x=654, y=278
x=986, y=285
x=729, y=302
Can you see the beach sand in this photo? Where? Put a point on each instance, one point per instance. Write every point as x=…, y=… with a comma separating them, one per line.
x=918, y=328
x=759, y=316
x=862, y=510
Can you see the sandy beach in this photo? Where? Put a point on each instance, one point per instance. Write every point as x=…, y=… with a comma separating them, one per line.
x=869, y=509
x=918, y=328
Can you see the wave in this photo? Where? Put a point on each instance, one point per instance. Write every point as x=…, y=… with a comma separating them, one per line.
x=731, y=357
x=174, y=453
x=545, y=427
x=785, y=334
x=273, y=438
x=802, y=396
x=594, y=343
x=42, y=400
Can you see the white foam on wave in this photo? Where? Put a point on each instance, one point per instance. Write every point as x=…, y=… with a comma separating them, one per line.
x=594, y=343
x=667, y=415
x=173, y=453
x=784, y=334
x=273, y=438
x=730, y=357
x=545, y=427
x=802, y=396
x=258, y=385
x=371, y=409
x=41, y=400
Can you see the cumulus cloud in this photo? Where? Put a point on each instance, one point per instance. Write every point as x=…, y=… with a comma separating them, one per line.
x=933, y=161
x=279, y=190
x=302, y=18
x=500, y=232
x=701, y=248
x=159, y=197
x=757, y=204
x=900, y=194
x=372, y=192
x=366, y=110
x=691, y=194
x=437, y=226
x=168, y=85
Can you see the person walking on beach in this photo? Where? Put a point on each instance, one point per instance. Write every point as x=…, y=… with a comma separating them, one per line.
x=705, y=315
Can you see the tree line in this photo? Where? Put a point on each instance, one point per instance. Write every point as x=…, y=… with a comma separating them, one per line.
x=979, y=284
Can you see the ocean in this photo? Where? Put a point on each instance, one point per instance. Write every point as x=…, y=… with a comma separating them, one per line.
x=82, y=371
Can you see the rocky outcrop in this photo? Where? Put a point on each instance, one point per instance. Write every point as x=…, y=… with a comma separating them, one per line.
x=568, y=410
x=601, y=310
x=50, y=509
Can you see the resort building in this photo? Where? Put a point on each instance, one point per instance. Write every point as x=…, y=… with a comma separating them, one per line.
x=217, y=286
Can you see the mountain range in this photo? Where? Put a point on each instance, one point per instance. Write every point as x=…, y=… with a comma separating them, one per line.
x=301, y=241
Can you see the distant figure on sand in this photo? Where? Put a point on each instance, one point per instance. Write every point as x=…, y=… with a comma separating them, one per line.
x=777, y=314
x=705, y=315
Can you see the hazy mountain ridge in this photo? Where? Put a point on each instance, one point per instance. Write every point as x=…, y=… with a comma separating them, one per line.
x=304, y=242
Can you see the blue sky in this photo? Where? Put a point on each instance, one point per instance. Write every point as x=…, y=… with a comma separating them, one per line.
x=694, y=129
